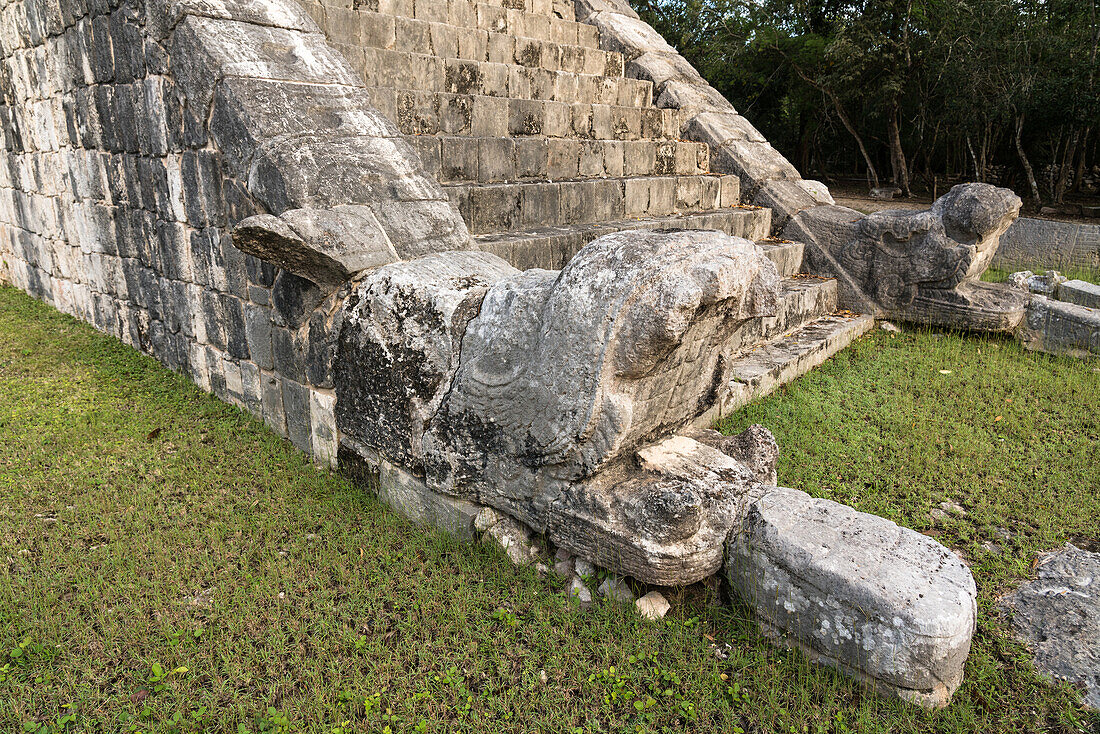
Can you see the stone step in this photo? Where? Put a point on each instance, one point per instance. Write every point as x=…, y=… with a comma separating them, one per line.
x=802, y=299
x=446, y=41
x=499, y=160
x=786, y=255
x=428, y=73
x=505, y=207
x=551, y=248
x=537, y=7
x=766, y=367
x=467, y=14
x=473, y=115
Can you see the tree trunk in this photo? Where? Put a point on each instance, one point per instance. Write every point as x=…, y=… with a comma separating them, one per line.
x=1063, y=170
x=897, y=155
x=1024, y=161
x=1079, y=174
x=974, y=158
x=859, y=141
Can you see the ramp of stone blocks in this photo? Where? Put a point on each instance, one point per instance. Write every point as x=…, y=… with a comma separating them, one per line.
x=547, y=129
x=532, y=128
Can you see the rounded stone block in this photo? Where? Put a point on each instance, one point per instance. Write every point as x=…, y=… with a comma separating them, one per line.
x=882, y=602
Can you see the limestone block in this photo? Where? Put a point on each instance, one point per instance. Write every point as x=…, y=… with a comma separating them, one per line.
x=206, y=50
x=1050, y=244
x=251, y=113
x=322, y=172
x=917, y=266
x=459, y=159
x=885, y=603
x=754, y=162
x=163, y=15
x=653, y=606
x=692, y=98
x=665, y=524
x=586, y=8
x=326, y=246
x=660, y=67
x=408, y=495
x=399, y=347
x=784, y=198
x=755, y=447
x=325, y=440
x=293, y=298
x=512, y=537
x=1058, y=615
x=1045, y=284
x=1080, y=292
x=629, y=36
x=616, y=589
x=1060, y=328
x=818, y=190
x=718, y=128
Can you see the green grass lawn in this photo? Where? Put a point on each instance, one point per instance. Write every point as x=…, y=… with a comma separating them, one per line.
x=170, y=565
x=998, y=275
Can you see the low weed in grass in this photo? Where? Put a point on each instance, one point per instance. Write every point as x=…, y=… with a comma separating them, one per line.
x=136, y=511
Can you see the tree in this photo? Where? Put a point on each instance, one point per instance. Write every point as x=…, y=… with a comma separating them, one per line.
x=986, y=89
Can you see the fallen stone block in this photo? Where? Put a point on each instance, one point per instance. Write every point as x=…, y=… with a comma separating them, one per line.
x=511, y=536
x=1060, y=328
x=1057, y=614
x=629, y=36
x=1044, y=284
x=884, y=603
x=616, y=589
x=579, y=593
x=1080, y=292
x=885, y=193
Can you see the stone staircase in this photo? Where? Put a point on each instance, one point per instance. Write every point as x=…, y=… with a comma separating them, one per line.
x=544, y=145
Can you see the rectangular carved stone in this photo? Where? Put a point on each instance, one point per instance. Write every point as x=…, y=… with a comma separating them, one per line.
x=205, y=50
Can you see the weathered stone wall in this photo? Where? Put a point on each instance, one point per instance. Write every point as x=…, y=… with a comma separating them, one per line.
x=1041, y=243
x=138, y=133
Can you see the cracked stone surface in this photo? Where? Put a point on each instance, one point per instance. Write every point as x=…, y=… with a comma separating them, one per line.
x=550, y=396
x=1057, y=615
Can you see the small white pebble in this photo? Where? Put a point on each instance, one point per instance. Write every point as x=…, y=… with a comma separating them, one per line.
x=580, y=592
x=653, y=605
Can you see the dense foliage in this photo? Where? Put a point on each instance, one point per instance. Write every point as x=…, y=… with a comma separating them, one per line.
x=917, y=92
